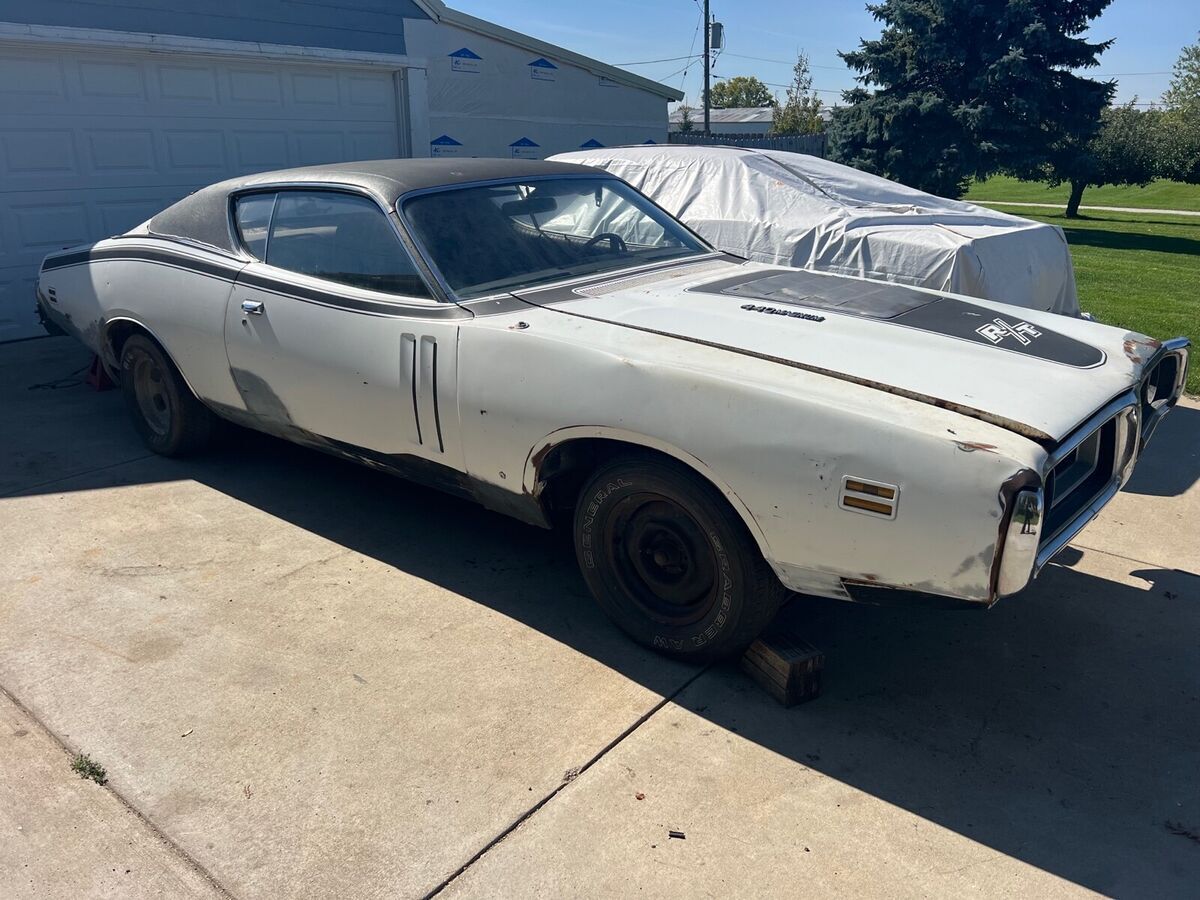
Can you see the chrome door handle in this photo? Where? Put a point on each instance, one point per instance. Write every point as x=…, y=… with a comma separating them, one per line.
x=252, y=307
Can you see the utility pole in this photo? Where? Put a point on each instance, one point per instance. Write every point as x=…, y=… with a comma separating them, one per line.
x=707, y=67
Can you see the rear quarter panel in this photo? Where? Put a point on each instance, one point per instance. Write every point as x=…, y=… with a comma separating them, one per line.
x=182, y=308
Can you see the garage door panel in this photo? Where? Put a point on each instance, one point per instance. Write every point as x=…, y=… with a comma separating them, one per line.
x=316, y=148
x=95, y=142
x=41, y=227
x=255, y=86
x=192, y=83
x=35, y=152
x=27, y=81
x=373, y=144
x=120, y=150
x=112, y=80
x=369, y=92
x=199, y=151
x=118, y=216
x=313, y=88
x=258, y=151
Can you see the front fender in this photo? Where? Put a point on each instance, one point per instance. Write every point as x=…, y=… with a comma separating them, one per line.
x=531, y=482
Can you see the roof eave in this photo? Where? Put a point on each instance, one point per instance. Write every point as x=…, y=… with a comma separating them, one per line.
x=440, y=12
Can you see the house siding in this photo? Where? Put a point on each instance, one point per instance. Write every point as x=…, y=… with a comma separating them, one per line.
x=375, y=26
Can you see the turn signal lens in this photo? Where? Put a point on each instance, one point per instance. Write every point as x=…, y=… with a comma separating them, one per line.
x=875, y=490
x=869, y=505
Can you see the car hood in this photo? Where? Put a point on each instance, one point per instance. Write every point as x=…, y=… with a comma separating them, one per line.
x=1035, y=373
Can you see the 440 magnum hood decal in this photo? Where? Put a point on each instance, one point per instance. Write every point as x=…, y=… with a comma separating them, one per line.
x=900, y=305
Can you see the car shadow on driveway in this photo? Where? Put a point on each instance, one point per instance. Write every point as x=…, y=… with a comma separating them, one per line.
x=1174, y=452
x=1061, y=728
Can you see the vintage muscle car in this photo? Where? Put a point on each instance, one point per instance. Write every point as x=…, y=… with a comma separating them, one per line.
x=545, y=340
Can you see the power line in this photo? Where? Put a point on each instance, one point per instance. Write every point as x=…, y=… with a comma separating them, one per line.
x=819, y=90
x=785, y=62
x=647, y=62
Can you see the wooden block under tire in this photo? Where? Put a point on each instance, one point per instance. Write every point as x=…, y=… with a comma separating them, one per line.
x=785, y=666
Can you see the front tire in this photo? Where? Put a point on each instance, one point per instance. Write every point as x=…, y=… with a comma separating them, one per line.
x=670, y=562
x=165, y=413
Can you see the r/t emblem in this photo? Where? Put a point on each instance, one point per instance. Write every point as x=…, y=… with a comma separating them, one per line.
x=997, y=330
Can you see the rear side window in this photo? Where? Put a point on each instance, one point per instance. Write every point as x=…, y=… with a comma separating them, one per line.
x=253, y=215
x=325, y=234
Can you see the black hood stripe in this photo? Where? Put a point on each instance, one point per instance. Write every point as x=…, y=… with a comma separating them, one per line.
x=899, y=305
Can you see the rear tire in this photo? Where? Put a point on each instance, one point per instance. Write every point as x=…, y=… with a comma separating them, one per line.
x=670, y=562
x=165, y=413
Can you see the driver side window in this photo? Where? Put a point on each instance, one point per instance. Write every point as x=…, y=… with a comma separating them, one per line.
x=330, y=235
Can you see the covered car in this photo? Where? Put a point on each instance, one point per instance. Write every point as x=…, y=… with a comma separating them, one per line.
x=797, y=210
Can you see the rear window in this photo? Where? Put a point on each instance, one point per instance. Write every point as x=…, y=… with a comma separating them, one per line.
x=330, y=235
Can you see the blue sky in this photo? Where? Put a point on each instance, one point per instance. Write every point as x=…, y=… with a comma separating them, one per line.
x=1149, y=35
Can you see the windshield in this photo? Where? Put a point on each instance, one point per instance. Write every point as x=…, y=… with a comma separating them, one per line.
x=504, y=237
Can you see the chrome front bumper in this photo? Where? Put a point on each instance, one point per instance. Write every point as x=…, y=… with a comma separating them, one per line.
x=1026, y=545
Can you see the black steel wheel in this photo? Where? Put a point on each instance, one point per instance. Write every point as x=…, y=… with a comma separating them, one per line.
x=166, y=414
x=670, y=561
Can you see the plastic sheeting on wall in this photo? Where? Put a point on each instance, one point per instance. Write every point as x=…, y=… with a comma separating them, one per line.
x=797, y=210
x=490, y=98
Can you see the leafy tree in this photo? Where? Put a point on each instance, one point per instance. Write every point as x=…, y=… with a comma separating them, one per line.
x=801, y=112
x=1179, y=137
x=740, y=90
x=965, y=88
x=1123, y=151
x=686, y=125
x=1184, y=91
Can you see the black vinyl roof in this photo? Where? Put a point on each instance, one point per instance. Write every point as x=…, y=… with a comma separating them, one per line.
x=204, y=215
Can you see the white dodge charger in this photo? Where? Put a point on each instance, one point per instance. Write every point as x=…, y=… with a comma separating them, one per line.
x=543, y=339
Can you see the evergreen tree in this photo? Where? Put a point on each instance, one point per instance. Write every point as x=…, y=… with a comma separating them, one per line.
x=686, y=125
x=966, y=88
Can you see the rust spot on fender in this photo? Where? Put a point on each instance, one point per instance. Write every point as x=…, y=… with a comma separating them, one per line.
x=540, y=457
x=1135, y=347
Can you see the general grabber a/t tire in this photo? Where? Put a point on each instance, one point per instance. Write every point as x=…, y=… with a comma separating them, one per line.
x=165, y=413
x=670, y=562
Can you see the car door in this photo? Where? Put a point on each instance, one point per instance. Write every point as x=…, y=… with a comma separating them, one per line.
x=331, y=333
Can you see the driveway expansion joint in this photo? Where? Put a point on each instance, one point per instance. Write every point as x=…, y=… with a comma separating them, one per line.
x=171, y=846
x=574, y=775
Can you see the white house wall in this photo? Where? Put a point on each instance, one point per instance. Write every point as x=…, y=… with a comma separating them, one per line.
x=494, y=101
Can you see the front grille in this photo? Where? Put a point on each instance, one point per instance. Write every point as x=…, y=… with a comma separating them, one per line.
x=1079, y=477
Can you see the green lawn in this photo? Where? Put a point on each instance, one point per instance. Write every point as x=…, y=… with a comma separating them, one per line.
x=1138, y=272
x=1156, y=195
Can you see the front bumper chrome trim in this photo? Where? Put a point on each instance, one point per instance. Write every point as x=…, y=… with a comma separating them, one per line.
x=1019, y=559
x=1026, y=547
x=1158, y=408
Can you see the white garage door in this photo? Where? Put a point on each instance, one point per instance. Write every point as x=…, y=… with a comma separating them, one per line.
x=92, y=143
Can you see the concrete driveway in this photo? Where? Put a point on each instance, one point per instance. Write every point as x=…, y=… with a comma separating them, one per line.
x=308, y=680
